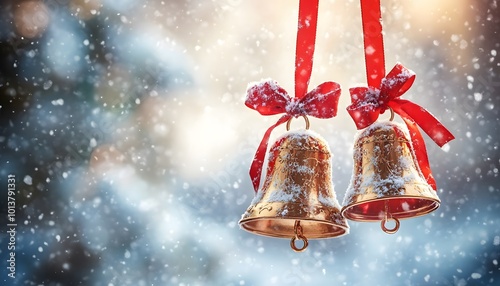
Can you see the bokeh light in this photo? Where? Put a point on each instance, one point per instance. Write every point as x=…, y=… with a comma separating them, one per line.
x=31, y=18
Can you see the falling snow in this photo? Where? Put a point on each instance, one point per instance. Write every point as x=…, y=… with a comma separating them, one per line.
x=125, y=126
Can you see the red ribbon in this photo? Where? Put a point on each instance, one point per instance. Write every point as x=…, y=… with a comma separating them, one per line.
x=306, y=37
x=371, y=17
x=268, y=98
x=367, y=103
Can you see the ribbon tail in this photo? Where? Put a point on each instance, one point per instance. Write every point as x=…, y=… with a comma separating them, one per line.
x=431, y=126
x=260, y=154
x=420, y=152
x=363, y=110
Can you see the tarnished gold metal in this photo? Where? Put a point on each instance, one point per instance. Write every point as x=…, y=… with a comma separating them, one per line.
x=297, y=199
x=387, y=183
x=305, y=119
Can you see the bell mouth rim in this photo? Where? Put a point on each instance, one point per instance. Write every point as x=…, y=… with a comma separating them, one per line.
x=348, y=213
x=340, y=230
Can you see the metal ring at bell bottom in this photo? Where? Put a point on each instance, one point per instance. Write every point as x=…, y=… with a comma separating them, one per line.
x=390, y=230
x=299, y=249
x=297, y=228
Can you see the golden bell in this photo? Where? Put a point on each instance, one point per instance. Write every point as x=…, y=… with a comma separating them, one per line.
x=297, y=199
x=387, y=183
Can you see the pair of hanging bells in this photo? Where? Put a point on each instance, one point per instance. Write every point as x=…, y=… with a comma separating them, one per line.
x=297, y=199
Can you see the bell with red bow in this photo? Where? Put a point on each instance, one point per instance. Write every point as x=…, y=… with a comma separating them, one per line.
x=391, y=179
x=297, y=199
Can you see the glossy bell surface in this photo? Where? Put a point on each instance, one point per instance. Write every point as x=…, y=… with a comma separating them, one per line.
x=297, y=199
x=387, y=183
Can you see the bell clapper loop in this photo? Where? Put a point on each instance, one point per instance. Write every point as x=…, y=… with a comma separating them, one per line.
x=388, y=217
x=295, y=248
x=290, y=120
x=297, y=228
x=390, y=230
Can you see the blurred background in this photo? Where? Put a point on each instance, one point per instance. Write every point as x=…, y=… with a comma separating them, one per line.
x=124, y=124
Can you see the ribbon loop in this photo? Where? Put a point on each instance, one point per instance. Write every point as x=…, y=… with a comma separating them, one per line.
x=396, y=83
x=267, y=97
x=365, y=106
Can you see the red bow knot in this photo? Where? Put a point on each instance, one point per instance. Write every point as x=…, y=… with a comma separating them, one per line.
x=268, y=98
x=367, y=103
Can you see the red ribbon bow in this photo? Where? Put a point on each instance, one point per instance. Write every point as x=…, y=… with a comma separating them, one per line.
x=369, y=102
x=268, y=98
x=384, y=93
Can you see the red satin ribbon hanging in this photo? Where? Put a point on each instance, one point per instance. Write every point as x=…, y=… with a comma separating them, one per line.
x=268, y=98
x=373, y=41
x=383, y=92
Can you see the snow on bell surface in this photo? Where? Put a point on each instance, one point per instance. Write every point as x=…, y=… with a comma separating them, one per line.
x=387, y=183
x=297, y=199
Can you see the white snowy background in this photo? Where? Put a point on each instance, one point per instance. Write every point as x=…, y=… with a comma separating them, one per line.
x=124, y=124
